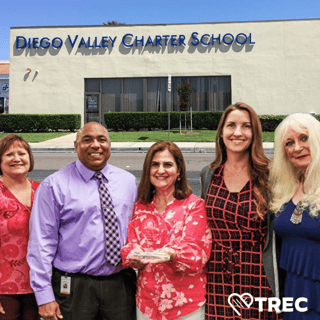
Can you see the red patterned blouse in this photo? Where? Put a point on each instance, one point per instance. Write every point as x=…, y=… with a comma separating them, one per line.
x=14, y=236
x=174, y=289
x=235, y=265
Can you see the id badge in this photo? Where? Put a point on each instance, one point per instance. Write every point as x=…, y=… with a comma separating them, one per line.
x=65, y=285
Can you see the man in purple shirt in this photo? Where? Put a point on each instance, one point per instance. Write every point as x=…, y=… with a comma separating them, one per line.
x=69, y=273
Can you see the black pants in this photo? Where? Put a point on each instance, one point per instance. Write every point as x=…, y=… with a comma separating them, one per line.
x=19, y=307
x=97, y=298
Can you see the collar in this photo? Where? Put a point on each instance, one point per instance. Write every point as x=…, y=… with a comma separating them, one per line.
x=87, y=173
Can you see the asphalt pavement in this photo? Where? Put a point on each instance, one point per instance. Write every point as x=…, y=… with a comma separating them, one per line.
x=65, y=144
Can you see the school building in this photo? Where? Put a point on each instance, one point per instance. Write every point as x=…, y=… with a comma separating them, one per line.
x=274, y=66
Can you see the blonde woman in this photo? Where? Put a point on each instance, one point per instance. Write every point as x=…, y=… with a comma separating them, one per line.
x=295, y=184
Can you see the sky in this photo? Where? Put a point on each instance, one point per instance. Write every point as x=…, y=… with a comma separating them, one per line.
x=18, y=13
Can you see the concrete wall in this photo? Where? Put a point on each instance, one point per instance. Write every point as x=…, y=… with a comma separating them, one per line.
x=277, y=73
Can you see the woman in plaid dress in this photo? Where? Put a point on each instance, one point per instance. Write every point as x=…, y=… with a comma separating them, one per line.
x=235, y=188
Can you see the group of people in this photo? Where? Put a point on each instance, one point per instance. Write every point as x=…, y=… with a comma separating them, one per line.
x=71, y=247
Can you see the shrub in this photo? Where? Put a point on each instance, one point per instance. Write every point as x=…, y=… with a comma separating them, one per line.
x=269, y=123
x=39, y=122
x=159, y=120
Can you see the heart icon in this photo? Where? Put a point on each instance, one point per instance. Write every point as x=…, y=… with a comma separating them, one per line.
x=240, y=301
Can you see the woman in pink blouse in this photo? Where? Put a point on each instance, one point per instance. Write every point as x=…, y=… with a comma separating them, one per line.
x=168, y=240
x=17, y=300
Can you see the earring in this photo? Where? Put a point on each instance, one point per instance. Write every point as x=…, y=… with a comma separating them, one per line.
x=178, y=178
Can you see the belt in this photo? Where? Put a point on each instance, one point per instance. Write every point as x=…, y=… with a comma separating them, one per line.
x=79, y=274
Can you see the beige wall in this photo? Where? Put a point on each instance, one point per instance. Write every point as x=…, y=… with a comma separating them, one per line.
x=279, y=74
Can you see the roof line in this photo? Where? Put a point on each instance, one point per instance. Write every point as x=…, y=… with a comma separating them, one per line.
x=160, y=24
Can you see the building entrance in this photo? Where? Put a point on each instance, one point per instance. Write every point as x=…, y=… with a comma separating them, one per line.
x=92, y=112
x=1, y=105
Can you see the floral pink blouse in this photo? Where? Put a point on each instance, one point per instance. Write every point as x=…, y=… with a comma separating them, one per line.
x=14, y=236
x=173, y=289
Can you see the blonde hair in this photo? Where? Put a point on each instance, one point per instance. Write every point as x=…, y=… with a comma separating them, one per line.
x=284, y=177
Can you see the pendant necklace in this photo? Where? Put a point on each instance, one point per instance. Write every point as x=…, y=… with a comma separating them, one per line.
x=296, y=217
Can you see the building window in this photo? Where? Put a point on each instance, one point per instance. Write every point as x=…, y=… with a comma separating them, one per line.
x=156, y=91
x=209, y=93
x=93, y=85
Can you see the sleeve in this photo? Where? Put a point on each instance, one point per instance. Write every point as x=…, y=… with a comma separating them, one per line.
x=132, y=240
x=43, y=241
x=194, y=247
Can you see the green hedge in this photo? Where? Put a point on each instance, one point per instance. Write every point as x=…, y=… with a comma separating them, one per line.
x=269, y=123
x=151, y=120
x=39, y=122
x=200, y=120
x=124, y=121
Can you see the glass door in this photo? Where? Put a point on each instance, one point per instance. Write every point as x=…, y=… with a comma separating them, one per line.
x=92, y=107
x=1, y=105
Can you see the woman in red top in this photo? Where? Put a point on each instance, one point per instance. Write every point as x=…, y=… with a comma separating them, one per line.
x=17, y=192
x=235, y=188
x=168, y=220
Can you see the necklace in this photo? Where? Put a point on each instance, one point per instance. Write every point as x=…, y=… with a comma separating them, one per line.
x=296, y=217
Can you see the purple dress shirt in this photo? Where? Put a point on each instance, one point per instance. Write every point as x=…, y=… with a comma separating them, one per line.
x=66, y=225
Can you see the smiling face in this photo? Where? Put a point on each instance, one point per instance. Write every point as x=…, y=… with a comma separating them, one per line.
x=15, y=161
x=93, y=146
x=163, y=171
x=297, y=148
x=237, y=132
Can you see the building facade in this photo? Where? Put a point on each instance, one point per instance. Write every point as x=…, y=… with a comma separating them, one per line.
x=274, y=66
x=4, y=86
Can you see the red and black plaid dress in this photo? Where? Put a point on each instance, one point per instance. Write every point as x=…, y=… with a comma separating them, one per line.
x=235, y=265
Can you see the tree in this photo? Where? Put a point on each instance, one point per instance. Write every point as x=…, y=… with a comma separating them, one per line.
x=184, y=92
x=112, y=23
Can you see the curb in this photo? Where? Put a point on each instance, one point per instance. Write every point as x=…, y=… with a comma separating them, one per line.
x=53, y=150
x=56, y=146
x=128, y=150
x=121, y=150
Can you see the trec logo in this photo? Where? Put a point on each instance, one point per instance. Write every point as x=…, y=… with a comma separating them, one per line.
x=245, y=300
